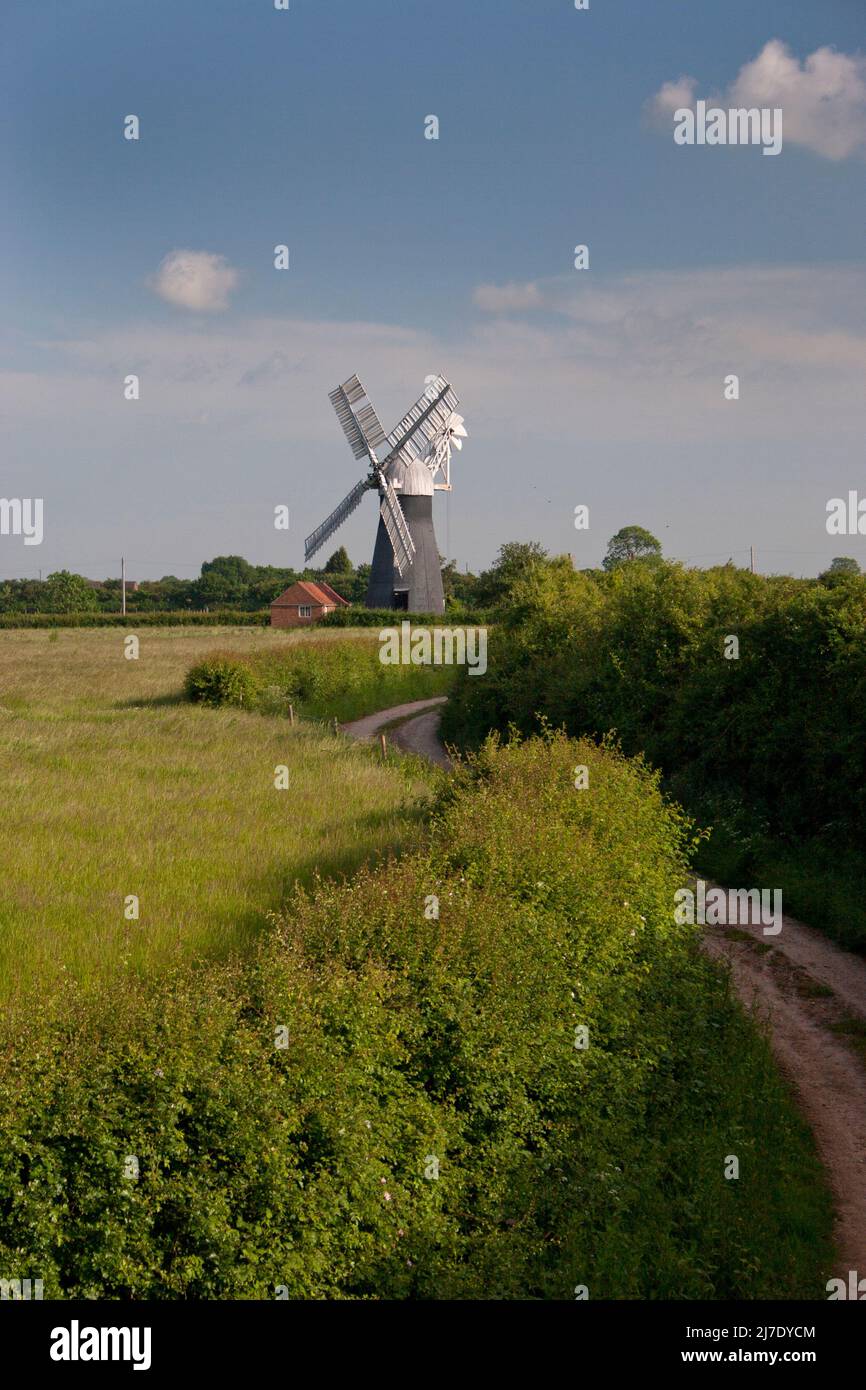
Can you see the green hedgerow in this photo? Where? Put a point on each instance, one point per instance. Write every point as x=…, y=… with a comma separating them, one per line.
x=387, y=1100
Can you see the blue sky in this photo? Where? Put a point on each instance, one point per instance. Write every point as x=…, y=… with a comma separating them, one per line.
x=409, y=256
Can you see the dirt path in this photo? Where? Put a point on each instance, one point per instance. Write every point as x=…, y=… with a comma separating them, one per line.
x=418, y=731
x=812, y=993
x=814, y=997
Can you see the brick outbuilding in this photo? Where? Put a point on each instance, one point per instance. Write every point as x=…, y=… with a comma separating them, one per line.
x=305, y=602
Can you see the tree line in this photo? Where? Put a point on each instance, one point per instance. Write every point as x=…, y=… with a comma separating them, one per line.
x=230, y=582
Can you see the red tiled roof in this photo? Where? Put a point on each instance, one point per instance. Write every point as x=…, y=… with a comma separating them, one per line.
x=332, y=593
x=306, y=592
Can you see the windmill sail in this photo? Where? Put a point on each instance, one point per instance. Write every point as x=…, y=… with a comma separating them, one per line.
x=346, y=416
x=395, y=524
x=331, y=523
x=427, y=418
x=361, y=428
x=371, y=429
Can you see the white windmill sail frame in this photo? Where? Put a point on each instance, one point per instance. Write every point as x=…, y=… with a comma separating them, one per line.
x=361, y=427
x=332, y=523
x=412, y=436
x=401, y=540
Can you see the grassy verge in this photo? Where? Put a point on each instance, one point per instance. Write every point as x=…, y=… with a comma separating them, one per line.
x=341, y=679
x=394, y=1097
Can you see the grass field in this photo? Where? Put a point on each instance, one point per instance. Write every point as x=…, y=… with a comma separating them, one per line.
x=114, y=786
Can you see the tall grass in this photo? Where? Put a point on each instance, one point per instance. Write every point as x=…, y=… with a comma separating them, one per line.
x=114, y=786
x=341, y=680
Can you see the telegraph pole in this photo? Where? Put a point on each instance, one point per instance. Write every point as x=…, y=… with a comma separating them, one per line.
x=752, y=558
x=123, y=585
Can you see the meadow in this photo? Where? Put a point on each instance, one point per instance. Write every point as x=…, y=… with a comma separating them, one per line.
x=114, y=785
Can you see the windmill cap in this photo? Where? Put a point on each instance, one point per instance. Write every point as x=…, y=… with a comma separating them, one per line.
x=412, y=479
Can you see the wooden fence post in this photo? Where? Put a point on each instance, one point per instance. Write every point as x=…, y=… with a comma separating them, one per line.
x=383, y=744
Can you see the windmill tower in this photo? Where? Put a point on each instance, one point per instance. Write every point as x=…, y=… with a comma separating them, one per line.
x=415, y=462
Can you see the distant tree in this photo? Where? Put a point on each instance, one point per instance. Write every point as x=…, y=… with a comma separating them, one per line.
x=10, y=597
x=448, y=568
x=841, y=569
x=631, y=543
x=262, y=592
x=215, y=590
x=459, y=587
x=339, y=563
x=170, y=593
x=359, y=585
x=67, y=593
x=516, y=559
x=232, y=567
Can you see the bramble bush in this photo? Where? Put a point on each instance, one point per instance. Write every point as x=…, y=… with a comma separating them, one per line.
x=430, y=1130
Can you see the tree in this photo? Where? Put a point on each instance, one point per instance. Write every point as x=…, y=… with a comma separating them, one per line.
x=516, y=559
x=234, y=568
x=843, y=567
x=631, y=543
x=339, y=562
x=215, y=590
x=459, y=587
x=67, y=593
x=262, y=592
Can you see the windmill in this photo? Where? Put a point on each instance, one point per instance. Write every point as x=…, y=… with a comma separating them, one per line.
x=406, y=467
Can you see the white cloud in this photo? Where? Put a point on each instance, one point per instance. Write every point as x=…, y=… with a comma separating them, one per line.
x=671, y=96
x=505, y=299
x=195, y=280
x=823, y=99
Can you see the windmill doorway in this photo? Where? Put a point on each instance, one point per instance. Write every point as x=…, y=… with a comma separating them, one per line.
x=401, y=600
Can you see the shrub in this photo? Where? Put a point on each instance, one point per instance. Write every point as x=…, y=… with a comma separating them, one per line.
x=222, y=681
